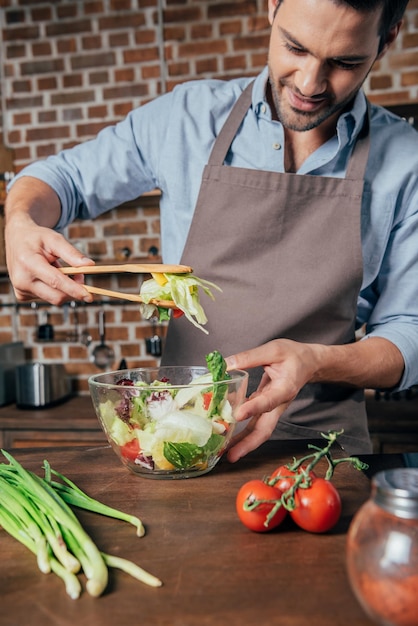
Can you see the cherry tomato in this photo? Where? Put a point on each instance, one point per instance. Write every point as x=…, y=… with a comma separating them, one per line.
x=283, y=478
x=318, y=507
x=130, y=450
x=255, y=519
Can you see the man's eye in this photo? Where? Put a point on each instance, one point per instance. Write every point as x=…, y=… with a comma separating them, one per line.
x=345, y=66
x=293, y=49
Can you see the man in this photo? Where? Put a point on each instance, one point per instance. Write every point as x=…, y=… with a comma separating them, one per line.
x=289, y=192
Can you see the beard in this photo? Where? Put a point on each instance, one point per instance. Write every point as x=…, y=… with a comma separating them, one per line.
x=301, y=121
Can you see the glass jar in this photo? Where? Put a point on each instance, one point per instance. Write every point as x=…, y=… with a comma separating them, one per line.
x=382, y=549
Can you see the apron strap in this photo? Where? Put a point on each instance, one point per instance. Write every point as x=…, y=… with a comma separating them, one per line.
x=356, y=166
x=229, y=129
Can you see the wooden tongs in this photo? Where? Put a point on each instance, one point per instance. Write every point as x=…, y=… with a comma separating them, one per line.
x=132, y=268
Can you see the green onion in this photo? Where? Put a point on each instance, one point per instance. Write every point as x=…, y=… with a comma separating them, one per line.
x=36, y=512
x=75, y=496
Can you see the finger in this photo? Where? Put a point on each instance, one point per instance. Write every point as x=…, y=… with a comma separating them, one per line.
x=260, y=432
x=255, y=357
x=263, y=401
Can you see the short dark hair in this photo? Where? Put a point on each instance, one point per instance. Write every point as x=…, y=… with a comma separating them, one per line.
x=393, y=11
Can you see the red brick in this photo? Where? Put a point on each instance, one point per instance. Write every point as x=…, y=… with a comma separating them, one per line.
x=207, y=66
x=22, y=119
x=251, y=42
x=174, y=33
x=381, y=81
x=102, y=59
x=72, y=114
x=182, y=15
x=201, y=31
x=72, y=80
x=22, y=86
x=409, y=79
x=15, y=52
x=52, y=132
x=65, y=46
x=217, y=46
x=22, y=32
x=91, y=42
x=141, y=55
x=125, y=74
x=234, y=62
x=41, y=14
x=99, y=78
x=47, y=83
x=41, y=49
x=47, y=117
x=125, y=91
x=117, y=40
x=63, y=28
x=113, y=22
x=232, y=27
x=98, y=111
x=46, y=66
x=232, y=8
x=90, y=8
x=72, y=97
x=145, y=36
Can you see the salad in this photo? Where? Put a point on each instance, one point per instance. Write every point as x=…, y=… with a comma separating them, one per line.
x=183, y=289
x=180, y=428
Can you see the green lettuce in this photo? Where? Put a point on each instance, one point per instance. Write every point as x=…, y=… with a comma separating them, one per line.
x=183, y=289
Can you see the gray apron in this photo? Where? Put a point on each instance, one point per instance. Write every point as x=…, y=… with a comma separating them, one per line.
x=286, y=251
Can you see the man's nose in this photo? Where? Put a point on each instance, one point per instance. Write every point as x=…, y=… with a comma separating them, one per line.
x=311, y=78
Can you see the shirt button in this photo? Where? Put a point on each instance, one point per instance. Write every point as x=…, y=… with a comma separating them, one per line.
x=263, y=108
x=277, y=146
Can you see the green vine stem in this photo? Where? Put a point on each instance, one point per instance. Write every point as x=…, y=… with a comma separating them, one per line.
x=300, y=469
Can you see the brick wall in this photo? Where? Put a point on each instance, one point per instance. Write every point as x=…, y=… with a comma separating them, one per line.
x=70, y=68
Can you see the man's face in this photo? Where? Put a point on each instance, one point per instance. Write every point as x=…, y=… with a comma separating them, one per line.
x=320, y=53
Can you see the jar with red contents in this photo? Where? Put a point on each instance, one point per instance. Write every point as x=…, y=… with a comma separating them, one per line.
x=382, y=549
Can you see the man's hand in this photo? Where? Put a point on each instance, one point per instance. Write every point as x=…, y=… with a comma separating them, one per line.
x=34, y=250
x=288, y=365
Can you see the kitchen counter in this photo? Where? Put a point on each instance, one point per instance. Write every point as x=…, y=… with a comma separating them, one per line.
x=393, y=424
x=214, y=570
x=72, y=422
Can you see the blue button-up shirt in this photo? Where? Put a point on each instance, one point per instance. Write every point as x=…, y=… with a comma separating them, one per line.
x=166, y=143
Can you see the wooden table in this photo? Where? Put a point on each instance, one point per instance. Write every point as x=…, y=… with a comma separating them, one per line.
x=214, y=570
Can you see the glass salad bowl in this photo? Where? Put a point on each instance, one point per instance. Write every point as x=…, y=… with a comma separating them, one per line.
x=170, y=421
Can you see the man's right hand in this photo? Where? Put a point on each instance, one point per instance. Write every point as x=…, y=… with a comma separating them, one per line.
x=34, y=250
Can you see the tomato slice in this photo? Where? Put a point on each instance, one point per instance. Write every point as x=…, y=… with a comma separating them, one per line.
x=255, y=519
x=177, y=313
x=130, y=450
x=207, y=399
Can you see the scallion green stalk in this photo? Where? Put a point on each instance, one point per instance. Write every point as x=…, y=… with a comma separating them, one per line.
x=73, y=495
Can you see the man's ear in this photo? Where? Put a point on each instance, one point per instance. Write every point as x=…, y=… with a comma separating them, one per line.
x=272, y=6
x=391, y=36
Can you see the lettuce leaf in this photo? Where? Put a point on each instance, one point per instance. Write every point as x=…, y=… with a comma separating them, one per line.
x=183, y=289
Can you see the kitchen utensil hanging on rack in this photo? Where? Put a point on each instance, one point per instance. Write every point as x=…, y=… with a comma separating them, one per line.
x=102, y=355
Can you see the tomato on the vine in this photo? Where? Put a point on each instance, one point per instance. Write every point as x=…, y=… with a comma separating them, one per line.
x=318, y=507
x=255, y=519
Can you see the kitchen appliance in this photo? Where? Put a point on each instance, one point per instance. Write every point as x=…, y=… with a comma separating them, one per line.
x=11, y=355
x=41, y=385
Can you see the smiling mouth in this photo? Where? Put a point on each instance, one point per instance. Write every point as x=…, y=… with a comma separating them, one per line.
x=305, y=105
